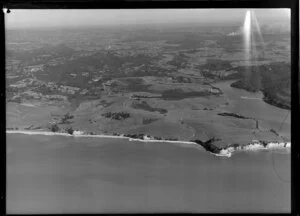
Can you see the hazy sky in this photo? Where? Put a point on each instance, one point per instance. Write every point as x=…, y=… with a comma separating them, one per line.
x=61, y=18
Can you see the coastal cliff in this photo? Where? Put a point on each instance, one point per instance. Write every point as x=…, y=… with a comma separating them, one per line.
x=207, y=145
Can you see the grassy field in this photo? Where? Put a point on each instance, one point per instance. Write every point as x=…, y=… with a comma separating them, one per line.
x=166, y=83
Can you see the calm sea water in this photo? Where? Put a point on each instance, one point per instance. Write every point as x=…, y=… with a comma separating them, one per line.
x=86, y=175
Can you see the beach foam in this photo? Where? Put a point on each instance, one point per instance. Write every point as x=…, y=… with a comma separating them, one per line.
x=46, y=133
x=161, y=141
x=50, y=133
x=255, y=145
x=78, y=133
x=224, y=153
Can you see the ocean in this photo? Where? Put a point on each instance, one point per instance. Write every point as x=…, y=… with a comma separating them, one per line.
x=58, y=174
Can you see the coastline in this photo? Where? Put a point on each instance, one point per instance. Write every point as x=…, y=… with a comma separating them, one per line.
x=267, y=97
x=208, y=145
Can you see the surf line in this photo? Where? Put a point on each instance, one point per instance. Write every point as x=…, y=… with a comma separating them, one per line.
x=139, y=138
x=208, y=145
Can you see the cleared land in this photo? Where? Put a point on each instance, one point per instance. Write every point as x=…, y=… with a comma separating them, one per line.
x=160, y=83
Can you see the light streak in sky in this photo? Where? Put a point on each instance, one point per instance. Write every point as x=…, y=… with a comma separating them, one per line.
x=250, y=29
x=247, y=35
x=257, y=28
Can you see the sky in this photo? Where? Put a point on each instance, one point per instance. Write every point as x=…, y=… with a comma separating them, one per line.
x=24, y=18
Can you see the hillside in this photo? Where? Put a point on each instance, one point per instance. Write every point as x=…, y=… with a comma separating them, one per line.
x=273, y=80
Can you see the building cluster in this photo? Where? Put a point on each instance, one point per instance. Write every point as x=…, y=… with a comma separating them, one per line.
x=56, y=61
x=68, y=89
x=34, y=68
x=22, y=83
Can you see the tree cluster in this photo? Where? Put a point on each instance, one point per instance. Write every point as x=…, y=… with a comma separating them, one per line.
x=116, y=115
x=66, y=118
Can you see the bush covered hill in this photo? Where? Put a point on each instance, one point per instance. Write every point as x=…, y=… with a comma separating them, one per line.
x=274, y=80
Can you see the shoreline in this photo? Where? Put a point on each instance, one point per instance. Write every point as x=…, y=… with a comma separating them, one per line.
x=267, y=97
x=208, y=145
